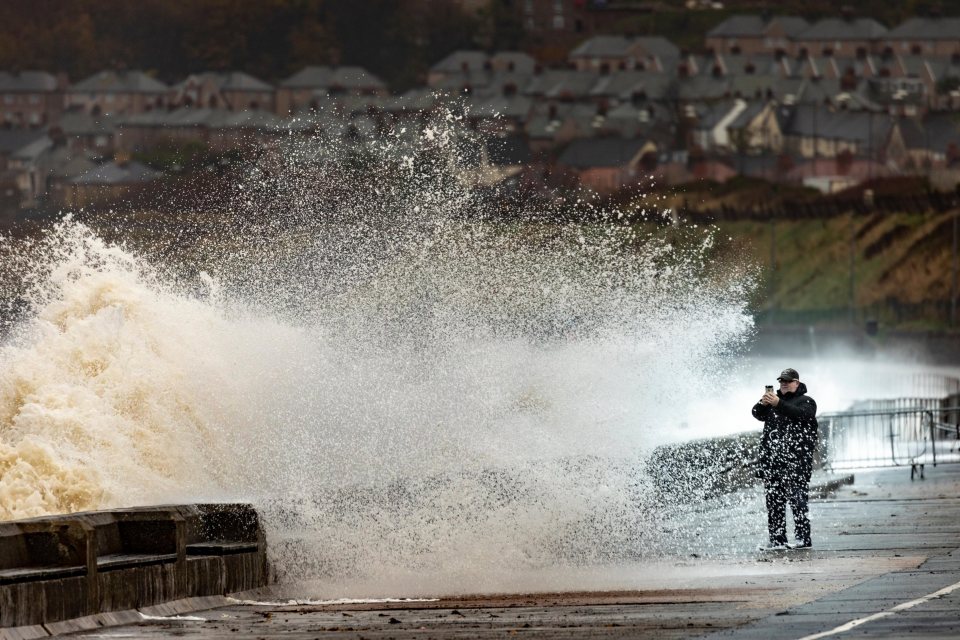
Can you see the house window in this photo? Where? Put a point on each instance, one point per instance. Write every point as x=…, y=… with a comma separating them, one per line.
x=528, y=6
x=558, y=22
x=34, y=99
x=558, y=6
x=8, y=99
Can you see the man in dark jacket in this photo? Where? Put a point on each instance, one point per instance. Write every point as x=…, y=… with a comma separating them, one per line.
x=786, y=457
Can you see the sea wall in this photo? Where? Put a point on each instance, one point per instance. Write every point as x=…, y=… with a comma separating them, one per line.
x=71, y=566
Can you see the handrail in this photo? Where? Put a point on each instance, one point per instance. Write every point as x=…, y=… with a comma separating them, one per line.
x=895, y=436
x=946, y=426
x=881, y=412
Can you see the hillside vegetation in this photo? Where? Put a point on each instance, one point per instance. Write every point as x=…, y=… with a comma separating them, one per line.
x=901, y=267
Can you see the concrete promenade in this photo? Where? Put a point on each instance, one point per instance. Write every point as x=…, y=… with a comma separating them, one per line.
x=886, y=564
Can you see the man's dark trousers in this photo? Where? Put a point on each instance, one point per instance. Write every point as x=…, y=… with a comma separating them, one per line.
x=778, y=493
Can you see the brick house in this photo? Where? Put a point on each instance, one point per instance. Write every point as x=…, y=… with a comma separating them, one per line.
x=555, y=17
x=219, y=129
x=611, y=52
x=756, y=129
x=750, y=34
x=116, y=93
x=468, y=71
x=234, y=90
x=300, y=89
x=145, y=130
x=233, y=129
x=925, y=36
x=917, y=144
x=108, y=182
x=81, y=131
x=21, y=153
x=841, y=38
x=462, y=65
x=60, y=166
x=30, y=98
x=810, y=131
x=606, y=165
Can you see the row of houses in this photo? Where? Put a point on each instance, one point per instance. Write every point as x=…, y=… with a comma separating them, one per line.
x=37, y=98
x=621, y=108
x=847, y=36
x=825, y=147
x=919, y=59
x=804, y=117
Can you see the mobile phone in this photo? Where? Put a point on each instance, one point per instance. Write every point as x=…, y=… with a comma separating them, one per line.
x=768, y=388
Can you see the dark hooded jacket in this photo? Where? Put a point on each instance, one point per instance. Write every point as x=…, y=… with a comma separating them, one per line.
x=789, y=437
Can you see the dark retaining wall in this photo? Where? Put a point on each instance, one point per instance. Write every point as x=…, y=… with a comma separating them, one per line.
x=696, y=470
x=75, y=565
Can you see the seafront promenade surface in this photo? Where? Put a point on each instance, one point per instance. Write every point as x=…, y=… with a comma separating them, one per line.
x=886, y=563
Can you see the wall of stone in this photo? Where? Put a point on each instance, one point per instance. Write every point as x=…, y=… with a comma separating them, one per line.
x=70, y=566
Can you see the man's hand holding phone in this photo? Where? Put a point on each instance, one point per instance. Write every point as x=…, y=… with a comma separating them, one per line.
x=769, y=397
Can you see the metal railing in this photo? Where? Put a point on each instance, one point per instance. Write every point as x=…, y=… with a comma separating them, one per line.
x=898, y=435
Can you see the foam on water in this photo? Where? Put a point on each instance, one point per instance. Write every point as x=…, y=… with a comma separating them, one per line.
x=403, y=382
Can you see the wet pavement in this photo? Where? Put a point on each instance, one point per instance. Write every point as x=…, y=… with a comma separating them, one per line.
x=886, y=563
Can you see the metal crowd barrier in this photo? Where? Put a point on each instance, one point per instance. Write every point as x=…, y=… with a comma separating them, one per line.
x=898, y=435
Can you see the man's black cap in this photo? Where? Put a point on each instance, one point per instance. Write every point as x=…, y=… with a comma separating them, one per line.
x=788, y=375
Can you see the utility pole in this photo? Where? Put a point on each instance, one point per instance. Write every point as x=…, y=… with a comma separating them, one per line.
x=953, y=283
x=773, y=264
x=853, y=264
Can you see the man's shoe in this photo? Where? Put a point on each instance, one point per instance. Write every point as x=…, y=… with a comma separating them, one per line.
x=800, y=545
x=772, y=546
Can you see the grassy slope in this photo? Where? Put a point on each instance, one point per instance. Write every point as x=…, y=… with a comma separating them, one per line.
x=901, y=257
